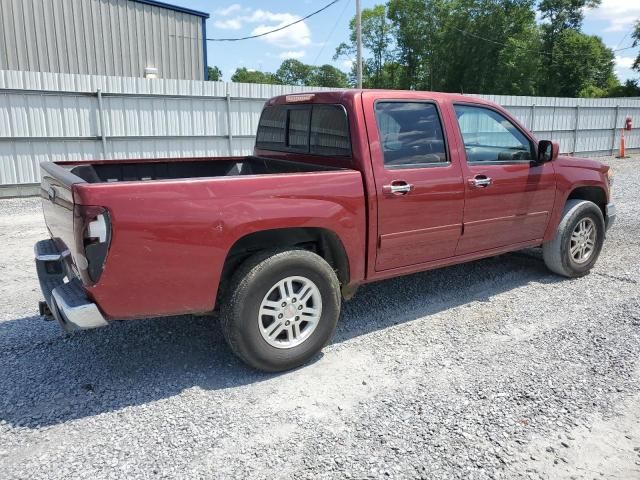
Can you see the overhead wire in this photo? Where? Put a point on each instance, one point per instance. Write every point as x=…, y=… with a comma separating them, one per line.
x=346, y=5
x=249, y=37
x=464, y=32
x=625, y=37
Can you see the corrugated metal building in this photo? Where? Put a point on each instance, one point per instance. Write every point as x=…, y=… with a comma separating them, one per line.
x=103, y=37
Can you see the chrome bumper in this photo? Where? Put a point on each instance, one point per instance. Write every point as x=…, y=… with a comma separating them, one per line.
x=610, y=215
x=67, y=301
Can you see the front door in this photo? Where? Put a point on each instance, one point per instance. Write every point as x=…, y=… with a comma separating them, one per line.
x=509, y=198
x=420, y=190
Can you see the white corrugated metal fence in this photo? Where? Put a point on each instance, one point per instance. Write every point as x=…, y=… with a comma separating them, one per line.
x=580, y=125
x=57, y=117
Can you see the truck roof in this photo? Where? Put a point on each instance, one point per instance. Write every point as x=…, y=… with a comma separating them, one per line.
x=339, y=96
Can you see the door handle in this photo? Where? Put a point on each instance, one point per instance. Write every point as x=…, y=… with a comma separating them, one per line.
x=480, y=181
x=397, y=188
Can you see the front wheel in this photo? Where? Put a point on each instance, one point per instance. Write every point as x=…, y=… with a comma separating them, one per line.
x=578, y=240
x=282, y=308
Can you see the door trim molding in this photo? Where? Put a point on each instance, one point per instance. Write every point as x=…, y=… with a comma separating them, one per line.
x=454, y=260
x=508, y=218
x=422, y=235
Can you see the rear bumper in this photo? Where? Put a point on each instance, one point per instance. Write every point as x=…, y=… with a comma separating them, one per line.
x=67, y=301
x=610, y=215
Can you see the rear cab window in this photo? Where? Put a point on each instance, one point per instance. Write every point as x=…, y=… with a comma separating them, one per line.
x=318, y=129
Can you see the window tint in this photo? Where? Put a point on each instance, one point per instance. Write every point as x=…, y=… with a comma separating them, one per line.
x=410, y=133
x=490, y=137
x=289, y=128
x=329, y=131
x=272, y=128
x=299, y=128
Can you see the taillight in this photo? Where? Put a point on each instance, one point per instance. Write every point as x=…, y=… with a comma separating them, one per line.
x=92, y=228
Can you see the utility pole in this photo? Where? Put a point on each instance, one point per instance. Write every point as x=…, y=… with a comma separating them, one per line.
x=359, y=43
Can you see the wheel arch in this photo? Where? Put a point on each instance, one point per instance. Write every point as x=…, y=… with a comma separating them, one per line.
x=322, y=241
x=592, y=193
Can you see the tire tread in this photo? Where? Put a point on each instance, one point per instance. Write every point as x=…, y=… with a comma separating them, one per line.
x=552, y=251
x=241, y=282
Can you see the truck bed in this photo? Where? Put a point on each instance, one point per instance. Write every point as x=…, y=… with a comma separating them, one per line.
x=171, y=169
x=170, y=223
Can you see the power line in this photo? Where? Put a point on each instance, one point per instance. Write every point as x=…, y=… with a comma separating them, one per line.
x=510, y=46
x=346, y=5
x=625, y=37
x=275, y=29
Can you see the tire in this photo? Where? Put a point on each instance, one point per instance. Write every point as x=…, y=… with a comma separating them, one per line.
x=256, y=288
x=557, y=252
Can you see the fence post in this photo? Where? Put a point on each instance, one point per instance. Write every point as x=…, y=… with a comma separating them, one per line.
x=101, y=123
x=553, y=120
x=533, y=117
x=229, y=132
x=575, y=130
x=615, y=130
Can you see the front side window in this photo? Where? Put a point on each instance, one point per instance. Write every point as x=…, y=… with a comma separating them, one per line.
x=490, y=137
x=410, y=134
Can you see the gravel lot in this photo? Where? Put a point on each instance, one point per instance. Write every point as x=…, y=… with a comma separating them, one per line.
x=494, y=369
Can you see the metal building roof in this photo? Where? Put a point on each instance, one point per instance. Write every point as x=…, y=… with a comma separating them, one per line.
x=173, y=7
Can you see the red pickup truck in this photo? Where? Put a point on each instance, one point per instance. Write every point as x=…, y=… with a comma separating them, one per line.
x=343, y=188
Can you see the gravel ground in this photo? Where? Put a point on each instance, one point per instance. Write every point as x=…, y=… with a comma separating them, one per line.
x=494, y=369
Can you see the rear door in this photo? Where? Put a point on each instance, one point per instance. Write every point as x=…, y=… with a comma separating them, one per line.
x=419, y=187
x=509, y=198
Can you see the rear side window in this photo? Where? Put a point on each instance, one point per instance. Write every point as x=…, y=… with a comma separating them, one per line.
x=272, y=128
x=411, y=134
x=316, y=129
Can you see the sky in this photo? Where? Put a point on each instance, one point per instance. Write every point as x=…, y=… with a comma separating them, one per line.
x=314, y=41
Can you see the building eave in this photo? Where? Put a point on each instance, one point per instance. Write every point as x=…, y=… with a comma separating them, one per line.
x=173, y=7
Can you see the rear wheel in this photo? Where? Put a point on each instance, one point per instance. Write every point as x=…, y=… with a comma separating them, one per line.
x=578, y=240
x=281, y=309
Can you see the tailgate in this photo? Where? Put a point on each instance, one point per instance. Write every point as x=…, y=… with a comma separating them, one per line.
x=82, y=233
x=57, y=204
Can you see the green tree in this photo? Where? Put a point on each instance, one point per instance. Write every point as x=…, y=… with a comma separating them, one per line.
x=214, y=74
x=520, y=64
x=559, y=16
x=636, y=41
x=630, y=88
x=294, y=72
x=417, y=29
x=479, y=46
x=583, y=66
x=562, y=15
x=244, y=75
x=484, y=44
x=329, y=76
x=377, y=41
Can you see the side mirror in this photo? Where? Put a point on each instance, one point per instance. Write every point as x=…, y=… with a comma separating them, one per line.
x=547, y=151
